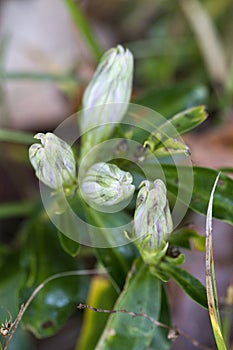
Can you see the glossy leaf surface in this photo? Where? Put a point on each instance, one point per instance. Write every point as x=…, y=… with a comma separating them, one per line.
x=42, y=256
x=142, y=292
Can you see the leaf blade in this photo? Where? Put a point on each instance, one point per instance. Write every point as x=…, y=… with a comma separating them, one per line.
x=191, y=285
x=142, y=292
x=211, y=288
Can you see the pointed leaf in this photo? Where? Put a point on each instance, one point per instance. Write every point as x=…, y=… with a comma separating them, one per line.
x=142, y=293
x=191, y=285
x=211, y=288
x=203, y=181
x=70, y=247
x=188, y=119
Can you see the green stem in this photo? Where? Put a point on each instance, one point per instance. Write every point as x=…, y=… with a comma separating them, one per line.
x=25, y=138
x=9, y=210
x=83, y=25
x=14, y=75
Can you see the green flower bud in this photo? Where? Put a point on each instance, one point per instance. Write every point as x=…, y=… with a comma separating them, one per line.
x=106, y=185
x=152, y=218
x=111, y=83
x=53, y=160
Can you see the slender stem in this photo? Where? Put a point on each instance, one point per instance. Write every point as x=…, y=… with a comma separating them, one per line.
x=14, y=75
x=9, y=210
x=25, y=306
x=83, y=25
x=174, y=332
x=25, y=138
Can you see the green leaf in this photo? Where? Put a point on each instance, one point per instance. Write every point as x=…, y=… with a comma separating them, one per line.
x=167, y=147
x=11, y=278
x=187, y=119
x=142, y=292
x=70, y=247
x=172, y=99
x=23, y=137
x=160, y=340
x=9, y=210
x=161, y=141
x=83, y=25
x=191, y=285
x=117, y=260
x=102, y=295
x=42, y=256
x=184, y=235
x=203, y=181
x=212, y=295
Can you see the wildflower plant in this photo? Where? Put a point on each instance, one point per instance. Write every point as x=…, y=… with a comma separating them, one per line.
x=123, y=189
x=112, y=142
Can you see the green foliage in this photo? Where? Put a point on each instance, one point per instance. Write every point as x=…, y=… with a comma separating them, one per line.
x=8, y=210
x=211, y=287
x=135, y=289
x=203, y=181
x=16, y=136
x=160, y=340
x=101, y=294
x=141, y=292
x=84, y=27
x=191, y=285
x=70, y=247
x=184, y=235
x=173, y=99
x=42, y=257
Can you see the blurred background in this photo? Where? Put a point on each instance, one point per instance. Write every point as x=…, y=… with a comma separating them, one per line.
x=183, y=52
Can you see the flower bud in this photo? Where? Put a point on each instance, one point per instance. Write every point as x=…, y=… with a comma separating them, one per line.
x=152, y=218
x=53, y=160
x=110, y=88
x=106, y=185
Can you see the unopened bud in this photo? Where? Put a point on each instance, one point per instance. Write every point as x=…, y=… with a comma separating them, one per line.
x=106, y=185
x=53, y=160
x=110, y=88
x=152, y=218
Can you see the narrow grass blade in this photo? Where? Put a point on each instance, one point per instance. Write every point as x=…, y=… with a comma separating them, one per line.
x=37, y=76
x=83, y=25
x=25, y=138
x=9, y=210
x=208, y=39
x=211, y=289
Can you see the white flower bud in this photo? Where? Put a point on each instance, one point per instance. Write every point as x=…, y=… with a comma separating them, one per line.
x=53, y=160
x=106, y=185
x=152, y=218
x=110, y=88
